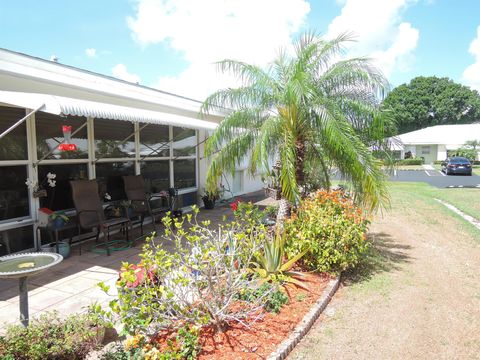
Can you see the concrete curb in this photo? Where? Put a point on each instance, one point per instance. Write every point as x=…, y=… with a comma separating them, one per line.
x=307, y=322
x=466, y=217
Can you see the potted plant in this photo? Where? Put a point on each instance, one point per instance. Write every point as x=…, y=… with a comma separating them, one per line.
x=209, y=199
x=58, y=219
x=272, y=184
x=38, y=189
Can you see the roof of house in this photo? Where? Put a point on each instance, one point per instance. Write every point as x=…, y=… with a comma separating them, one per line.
x=441, y=134
x=24, y=73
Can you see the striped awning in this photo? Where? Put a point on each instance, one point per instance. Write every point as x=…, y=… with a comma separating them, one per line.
x=59, y=105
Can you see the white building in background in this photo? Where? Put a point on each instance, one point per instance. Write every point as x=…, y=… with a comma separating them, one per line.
x=119, y=128
x=432, y=143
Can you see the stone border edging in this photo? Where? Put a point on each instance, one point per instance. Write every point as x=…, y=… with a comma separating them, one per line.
x=287, y=345
x=459, y=212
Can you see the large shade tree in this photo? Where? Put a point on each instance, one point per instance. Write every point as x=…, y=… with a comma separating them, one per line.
x=430, y=101
x=310, y=110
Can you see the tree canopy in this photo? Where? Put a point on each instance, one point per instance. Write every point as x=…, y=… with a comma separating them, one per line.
x=429, y=101
x=310, y=110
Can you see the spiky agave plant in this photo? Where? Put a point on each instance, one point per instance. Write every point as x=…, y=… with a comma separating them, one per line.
x=271, y=265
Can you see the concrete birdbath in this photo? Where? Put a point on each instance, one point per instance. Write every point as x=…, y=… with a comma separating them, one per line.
x=21, y=266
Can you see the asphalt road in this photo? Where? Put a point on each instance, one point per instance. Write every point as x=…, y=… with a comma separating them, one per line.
x=437, y=178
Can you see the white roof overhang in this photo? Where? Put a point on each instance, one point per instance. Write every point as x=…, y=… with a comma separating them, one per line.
x=59, y=105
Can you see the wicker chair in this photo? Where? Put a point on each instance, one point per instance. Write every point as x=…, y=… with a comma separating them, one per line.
x=90, y=214
x=141, y=200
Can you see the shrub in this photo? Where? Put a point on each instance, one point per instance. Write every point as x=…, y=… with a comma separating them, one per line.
x=332, y=230
x=196, y=280
x=274, y=297
x=183, y=344
x=413, y=161
x=466, y=152
x=50, y=337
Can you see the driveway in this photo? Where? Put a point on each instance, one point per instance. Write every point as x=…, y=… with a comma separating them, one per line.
x=437, y=178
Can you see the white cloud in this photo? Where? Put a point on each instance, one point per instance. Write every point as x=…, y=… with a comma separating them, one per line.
x=211, y=30
x=91, y=52
x=379, y=31
x=120, y=71
x=471, y=75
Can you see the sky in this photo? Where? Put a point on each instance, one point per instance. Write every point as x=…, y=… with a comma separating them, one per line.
x=173, y=45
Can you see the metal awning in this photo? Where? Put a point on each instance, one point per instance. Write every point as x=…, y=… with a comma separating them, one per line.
x=59, y=105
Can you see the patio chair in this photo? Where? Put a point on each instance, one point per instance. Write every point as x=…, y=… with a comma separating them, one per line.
x=90, y=213
x=141, y=200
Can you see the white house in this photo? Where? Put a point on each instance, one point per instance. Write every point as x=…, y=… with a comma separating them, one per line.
x=118, y=128
x=432, y=143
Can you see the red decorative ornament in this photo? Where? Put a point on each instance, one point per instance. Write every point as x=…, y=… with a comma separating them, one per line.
x=67, y=134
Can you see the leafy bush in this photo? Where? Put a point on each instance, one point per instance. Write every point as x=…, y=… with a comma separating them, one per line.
x=118, y=352
x=413, y=161
x=274, y=297
x=196, y=280
x=50, y=337
x=183, y=344
x=466, y=152
x=331, y=228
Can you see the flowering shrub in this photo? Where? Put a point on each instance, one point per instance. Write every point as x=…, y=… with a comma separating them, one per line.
x=191, y=275
x=331, y=227
x=182, y=344
x=234, y=205
x=133, y=275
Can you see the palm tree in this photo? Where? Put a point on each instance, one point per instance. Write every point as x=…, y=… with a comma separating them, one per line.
x=473, y=144
x=310, y=111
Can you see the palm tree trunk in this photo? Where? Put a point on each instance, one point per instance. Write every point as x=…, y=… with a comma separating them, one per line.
x=283, y=213
x=285, y=206
x=299, y=165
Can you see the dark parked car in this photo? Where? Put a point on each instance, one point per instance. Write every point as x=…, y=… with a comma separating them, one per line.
x=457, y=165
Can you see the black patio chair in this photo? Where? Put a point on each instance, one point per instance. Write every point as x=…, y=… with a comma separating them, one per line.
x=141, y=200
x=90, y=213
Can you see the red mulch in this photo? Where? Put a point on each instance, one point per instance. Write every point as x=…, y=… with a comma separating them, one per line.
x=265, y=335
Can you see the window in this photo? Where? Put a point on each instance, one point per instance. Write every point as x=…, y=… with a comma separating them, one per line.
x=13, y=192
x=187, y=199
x=184, y=173
x=184, y=142
x=114, y=139
x=14, y=145
x=154, y=140
x=156, y=175
x=60, y=196
x=237, y=183
x=15, y=240
x=50, y=135
x=109, y=178
x=425, y=150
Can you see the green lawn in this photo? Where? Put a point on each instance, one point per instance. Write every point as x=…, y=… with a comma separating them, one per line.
x=467, y=200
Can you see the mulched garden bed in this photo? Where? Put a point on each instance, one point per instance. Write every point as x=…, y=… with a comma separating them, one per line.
x=265, y=335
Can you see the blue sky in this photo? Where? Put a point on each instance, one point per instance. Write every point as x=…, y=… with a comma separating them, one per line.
x=172, y=44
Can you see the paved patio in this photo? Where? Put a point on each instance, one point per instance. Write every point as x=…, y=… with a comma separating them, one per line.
x=70, y=286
